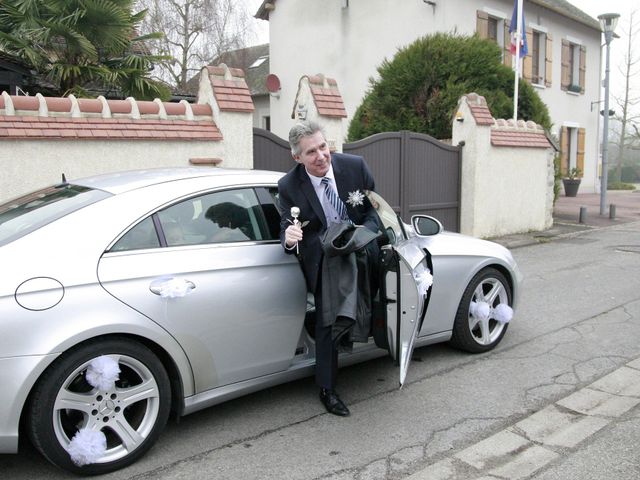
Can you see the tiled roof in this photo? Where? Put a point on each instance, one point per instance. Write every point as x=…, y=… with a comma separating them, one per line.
x=524, y=134
x=231, y=94
x=242, y=58
x=479, y=109
x=49, y=118
x=562, y=7
x=506, y=133
x=567, y=9
x=327, y=96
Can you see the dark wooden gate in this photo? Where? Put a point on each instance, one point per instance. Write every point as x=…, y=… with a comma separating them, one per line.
x=414, y=172
x=271, y=152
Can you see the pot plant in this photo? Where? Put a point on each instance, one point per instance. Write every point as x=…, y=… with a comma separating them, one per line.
x=571, y=182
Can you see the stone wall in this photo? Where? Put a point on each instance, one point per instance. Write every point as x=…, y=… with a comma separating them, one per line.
x=43, y=137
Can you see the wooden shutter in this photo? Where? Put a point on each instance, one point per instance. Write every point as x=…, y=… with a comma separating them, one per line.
x=583, y=66
x=566, y=64
x=580, y=152
x=527, y=61
x=564, y=150
x=482, y=24
x=547, y=60
x=507, y=58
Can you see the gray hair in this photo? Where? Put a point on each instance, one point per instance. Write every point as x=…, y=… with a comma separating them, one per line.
x=301, y=130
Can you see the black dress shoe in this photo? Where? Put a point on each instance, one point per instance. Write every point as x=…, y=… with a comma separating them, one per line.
x=332, y=402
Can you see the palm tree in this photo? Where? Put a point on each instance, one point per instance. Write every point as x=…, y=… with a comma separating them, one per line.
x=81, y=46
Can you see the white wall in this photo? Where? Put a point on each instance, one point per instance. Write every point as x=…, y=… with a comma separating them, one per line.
x=504, y=190
x=32, y=164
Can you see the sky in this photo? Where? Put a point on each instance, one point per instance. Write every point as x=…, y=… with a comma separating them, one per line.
x=618, y=45
x=591, y=7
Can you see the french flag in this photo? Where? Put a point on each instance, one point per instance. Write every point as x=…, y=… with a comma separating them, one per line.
x=513, y=30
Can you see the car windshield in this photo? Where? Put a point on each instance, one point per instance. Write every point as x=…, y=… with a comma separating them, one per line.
x=25, y=214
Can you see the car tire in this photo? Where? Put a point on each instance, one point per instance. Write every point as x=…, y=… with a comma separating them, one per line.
x=131, y=414
x=469, y=333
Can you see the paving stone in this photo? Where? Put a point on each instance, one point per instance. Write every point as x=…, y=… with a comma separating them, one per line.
x=499, y=445
x=553, y=427
x=594, y=402
x=442, y=470
x=525, y=463
x=634, y=364
x=623, y=381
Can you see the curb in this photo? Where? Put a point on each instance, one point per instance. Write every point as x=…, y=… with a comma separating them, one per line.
x=534, y=442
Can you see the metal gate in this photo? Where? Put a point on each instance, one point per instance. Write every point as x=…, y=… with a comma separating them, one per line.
x=414, y=172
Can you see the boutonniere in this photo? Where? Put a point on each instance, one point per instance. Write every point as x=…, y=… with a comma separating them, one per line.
x=355, y=198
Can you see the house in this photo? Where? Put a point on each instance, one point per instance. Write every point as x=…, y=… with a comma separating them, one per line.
x=347, y=40
x=254, y=61
x=14, y=74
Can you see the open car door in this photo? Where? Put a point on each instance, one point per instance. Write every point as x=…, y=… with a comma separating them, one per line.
x=404, y=282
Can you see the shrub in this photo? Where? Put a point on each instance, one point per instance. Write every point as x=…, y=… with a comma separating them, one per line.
x=419, y=88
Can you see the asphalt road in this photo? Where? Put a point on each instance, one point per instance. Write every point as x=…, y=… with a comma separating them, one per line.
x=578, y=321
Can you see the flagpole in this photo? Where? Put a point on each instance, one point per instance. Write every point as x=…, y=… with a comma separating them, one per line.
x=517, y=65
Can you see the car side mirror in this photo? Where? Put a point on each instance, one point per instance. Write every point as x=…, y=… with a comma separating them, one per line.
x=424, y=225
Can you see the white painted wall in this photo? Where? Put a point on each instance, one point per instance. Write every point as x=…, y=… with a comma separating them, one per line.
x=262, y=109
x=504, y=190
x=32, y=164
x=309, y=37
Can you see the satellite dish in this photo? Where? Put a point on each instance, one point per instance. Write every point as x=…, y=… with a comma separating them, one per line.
x=273, y=83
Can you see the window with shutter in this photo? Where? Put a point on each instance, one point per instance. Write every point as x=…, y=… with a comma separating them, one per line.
x=538, y=50
x=572, y=149
x=573, y=66
x=494, y=28
x=580, y=150
x=547, y=60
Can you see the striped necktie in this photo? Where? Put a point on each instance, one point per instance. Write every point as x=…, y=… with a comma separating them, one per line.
x=334, y=199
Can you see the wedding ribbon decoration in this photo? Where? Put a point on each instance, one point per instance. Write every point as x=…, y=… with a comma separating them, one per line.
x=502, y=313
x=175, y=288
x=424, y=280
x=102, y=373
x=87, y=446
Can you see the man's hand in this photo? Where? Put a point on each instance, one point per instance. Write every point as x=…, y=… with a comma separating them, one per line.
x=292, y=235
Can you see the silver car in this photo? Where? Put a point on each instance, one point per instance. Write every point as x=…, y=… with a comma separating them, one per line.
x=127, y=296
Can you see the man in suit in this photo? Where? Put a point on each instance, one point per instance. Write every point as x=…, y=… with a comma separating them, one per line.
x=314, y=185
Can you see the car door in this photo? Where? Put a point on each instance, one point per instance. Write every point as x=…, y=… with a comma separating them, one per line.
x=212, y=272
x=402, y=300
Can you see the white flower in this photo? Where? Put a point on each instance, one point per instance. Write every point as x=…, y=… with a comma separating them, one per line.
x=355, y=198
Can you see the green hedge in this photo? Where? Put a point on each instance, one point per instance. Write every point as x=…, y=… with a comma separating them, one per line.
x=419, y=88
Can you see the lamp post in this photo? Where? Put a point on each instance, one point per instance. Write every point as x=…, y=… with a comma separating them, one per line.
x=608, y=23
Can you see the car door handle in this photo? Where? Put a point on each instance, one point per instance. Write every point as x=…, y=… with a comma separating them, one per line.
x=171, y=287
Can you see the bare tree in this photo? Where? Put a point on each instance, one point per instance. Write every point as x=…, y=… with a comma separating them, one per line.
x=195, y=32
x=629, y=117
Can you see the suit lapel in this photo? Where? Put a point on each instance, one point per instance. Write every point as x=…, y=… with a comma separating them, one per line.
x=307, y=189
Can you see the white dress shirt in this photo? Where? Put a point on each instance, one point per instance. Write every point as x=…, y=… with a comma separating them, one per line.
x=330, y=212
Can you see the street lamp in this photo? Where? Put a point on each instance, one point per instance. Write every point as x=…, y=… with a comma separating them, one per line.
x=608, y=23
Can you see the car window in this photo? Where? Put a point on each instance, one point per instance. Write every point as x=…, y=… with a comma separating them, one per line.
x=143, y=235
x=221, y=217
x=269, y=200
x=25, y=214
x=389, y=218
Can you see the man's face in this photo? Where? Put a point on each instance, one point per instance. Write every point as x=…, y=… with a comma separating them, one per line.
x=314, y=154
